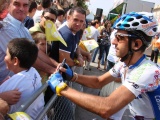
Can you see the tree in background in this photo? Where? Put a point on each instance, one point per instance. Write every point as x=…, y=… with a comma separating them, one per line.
x=82, y=3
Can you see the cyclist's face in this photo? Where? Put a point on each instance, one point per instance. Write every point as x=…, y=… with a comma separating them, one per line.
x=121, y=43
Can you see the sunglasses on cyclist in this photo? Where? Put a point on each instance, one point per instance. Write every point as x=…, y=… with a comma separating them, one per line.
x=48, y=18
x=121, y=36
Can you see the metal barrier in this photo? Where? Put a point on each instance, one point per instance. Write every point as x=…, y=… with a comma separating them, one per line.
x=57, y=108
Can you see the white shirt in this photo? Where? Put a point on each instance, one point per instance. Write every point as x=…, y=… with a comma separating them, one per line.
x=58, y=23
x=84, y=35
x=141, y=79
x=94, y=33
x=37, y=16
x=27, y=82
x=12, y=28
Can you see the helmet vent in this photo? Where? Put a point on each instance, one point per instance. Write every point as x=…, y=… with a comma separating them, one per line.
x=155, y=29
x=126, y=25
x=123, y=18
x=144, y=21
x=118, y=25
x=130, y=19
x=135, y=24
x=138, y=17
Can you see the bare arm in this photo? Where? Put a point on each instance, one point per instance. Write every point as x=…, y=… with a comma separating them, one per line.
x=58, y=5
x=103, y=106
x=62, y=55
x=85, y=54
x=94, y=81
x=11, y=97
x=79, y=57
x=45, y=63
x=47, y=59
x=70, y=62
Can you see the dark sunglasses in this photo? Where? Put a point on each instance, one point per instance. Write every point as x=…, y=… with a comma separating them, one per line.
x=121, y=36
x=48, y=18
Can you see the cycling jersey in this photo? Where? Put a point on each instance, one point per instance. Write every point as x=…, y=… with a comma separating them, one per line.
x=142, y=79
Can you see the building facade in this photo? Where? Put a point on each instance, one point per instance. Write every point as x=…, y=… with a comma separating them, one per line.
x=156, y=12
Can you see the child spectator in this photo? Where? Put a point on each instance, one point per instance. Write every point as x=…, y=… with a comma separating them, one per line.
x=40, y=40
x=20, y=56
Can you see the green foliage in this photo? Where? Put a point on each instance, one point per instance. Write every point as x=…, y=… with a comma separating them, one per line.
x=81, y=3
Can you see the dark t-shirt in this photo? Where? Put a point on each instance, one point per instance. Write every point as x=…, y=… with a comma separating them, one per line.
x=28, y=22
x=71, y=40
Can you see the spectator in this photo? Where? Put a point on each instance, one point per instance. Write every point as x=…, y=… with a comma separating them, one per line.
x=94, y=34
x=96, y=50
x=139, y=76
x=38, y=13
x=48, y=14
x=40, y=41
x=69, y=32
x=155, y=49
x=60, y=18
x=104, y=44
x=28, y=21
x=25, y=77
x=41, y=5
x=71, y=35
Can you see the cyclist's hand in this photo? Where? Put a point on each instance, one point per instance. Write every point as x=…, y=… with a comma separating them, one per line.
x=56, y=83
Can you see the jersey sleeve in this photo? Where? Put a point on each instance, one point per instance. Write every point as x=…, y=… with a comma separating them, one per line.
x=143, y=79
x=115, y=70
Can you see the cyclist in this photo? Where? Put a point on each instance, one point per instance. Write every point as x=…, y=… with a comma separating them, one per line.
x=140, y=77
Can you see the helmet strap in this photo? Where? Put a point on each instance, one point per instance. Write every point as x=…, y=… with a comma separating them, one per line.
x=130, y=51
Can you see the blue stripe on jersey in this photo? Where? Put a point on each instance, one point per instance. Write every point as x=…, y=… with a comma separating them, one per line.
x=154, y=97
x=138, y=62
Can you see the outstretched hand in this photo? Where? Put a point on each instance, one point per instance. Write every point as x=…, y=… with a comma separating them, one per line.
x=56, y=83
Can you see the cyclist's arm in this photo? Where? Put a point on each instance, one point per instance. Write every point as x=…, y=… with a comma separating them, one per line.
x=103, y=106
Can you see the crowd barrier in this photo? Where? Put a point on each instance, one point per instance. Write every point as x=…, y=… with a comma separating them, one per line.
x=57, y=108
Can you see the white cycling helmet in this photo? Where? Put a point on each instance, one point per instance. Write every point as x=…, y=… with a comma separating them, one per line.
x=143, y=21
